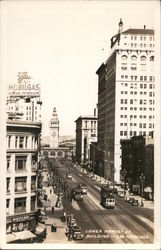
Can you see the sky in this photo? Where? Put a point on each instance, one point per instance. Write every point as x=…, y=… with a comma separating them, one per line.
x=62, y=44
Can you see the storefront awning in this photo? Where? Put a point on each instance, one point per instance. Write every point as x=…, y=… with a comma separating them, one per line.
x=23, y=235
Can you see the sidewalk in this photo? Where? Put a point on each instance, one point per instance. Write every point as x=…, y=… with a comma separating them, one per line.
x=55, y=219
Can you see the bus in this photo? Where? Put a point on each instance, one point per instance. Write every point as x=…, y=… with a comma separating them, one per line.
x=107, y=197
x=77, y=194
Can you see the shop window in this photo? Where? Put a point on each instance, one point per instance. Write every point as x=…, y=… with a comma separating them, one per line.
x=20, y=184
x=20, y=163
x=20, y=205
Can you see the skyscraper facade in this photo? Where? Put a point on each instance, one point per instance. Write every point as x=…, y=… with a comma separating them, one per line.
x=126, y=94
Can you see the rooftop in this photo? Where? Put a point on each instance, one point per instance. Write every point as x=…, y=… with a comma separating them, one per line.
x=139, y=31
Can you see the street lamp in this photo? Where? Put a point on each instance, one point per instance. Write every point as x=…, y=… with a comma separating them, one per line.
x=124, y=174
x=142, y=178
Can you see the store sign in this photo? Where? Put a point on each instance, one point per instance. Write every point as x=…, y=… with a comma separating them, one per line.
x=23, y=218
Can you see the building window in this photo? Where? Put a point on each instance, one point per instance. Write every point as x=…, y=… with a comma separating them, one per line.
x=8, y=185
x=16, y=141
x=143, y=58
x=133, y=58
x=20, y=205
x=20, y=184
x=152, y=59
x=33, y=182
x=8, y=162
x=124, y=58
x=9, y=141
x=20, y=163
x=21, y=141
x=85, y=124
x=7, y=205
x=33, y=203
x=121, y=133
x=125, y=132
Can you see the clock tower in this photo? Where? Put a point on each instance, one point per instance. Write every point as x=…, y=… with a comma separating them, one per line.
x=54, y=130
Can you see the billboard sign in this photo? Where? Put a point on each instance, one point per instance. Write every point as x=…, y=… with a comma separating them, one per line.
x=24, y=86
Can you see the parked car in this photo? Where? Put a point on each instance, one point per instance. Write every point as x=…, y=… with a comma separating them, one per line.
x=131, y=200
x=120, y=194
x=78, y=236
x=135, y=202
x=76, y=229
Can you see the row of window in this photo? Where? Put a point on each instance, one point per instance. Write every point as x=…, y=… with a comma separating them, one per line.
x=134, y=58
x=20, y=204
x=142, y=38
x=21, y=184
x=142, y=45
x=21, y=142
x=142, y=78
x=136, y=86
x=135, y=108
x=140, y=116
x=141, y=125
x=90, y=123
x=151, y=94
x=141, y=101
x=29, y=107
x=134, y=133
x=20, y=162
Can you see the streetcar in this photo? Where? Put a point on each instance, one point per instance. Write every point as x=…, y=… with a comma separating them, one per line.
x=77, y=194
x=107, y=197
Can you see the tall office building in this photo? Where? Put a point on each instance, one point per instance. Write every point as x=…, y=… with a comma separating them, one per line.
x=54, y=130
x=86, y=133
x=126, y=94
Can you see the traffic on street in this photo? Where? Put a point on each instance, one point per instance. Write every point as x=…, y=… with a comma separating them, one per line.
x=95, y=211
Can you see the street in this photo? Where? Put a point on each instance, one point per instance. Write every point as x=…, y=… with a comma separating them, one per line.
x=123, y=224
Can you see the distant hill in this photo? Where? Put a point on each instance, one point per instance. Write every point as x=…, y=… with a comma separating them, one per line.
x=66, y=138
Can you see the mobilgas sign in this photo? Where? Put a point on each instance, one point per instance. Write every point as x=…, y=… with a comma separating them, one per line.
x=24, y=88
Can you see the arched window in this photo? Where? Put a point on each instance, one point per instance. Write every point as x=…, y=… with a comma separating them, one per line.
x=143, y=58
x=133, y=58
x=124, y=58
x=152, y=59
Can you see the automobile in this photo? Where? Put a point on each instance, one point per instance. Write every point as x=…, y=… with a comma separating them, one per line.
x=78, y=236
x=71, y=223
x=93, y=178
x=135, y=202
x=120, y=194
x=83, y=188
x=69, y=175
x=131, y=200
x=76, y=229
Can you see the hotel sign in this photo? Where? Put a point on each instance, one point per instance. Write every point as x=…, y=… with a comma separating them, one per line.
x=24, y=86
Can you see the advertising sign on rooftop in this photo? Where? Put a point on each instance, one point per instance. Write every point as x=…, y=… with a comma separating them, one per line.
x=25, y=86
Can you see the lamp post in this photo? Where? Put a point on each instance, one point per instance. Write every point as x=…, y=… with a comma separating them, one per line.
x=124, y=174
x=100, y=167
x=142, y=178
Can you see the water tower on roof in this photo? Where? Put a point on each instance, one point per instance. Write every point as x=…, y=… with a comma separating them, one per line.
x=54, y=130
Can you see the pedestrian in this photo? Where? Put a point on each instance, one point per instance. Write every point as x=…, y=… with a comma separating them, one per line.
x=52, y=209
x=142, y=202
